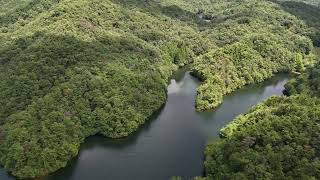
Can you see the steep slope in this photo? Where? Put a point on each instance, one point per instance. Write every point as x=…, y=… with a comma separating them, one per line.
x=308, y=11
x=71, y=69
x=256, y=40
x=308, y=83
x=278, y=139
x=7, y=6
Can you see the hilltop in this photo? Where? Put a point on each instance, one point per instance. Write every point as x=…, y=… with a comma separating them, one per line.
x=71, y=69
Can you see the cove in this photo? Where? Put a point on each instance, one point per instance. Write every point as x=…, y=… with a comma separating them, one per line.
x=171, y=143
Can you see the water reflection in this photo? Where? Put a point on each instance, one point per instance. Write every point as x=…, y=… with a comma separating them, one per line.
x=169, y=144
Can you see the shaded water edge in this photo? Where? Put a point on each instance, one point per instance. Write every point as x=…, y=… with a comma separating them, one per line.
x=171, y=142
x=177, y=74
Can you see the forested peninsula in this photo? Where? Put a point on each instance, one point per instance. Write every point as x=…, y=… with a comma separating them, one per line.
x=279, y=138
x=73, y=69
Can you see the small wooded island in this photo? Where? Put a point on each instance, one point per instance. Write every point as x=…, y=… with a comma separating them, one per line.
x=73, y=69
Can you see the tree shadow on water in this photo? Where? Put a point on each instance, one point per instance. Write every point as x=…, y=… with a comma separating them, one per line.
x=104, y=142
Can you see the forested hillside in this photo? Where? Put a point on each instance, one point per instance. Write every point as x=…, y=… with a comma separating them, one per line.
x=255, y=40
x=277, y=139
x=308, y=11
x=308, y=83
x=71, y=69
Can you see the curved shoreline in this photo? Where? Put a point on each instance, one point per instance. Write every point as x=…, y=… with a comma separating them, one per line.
x=123, y=153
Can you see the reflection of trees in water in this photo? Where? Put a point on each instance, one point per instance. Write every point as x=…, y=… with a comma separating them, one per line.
x=104, y=142
x=4, y=174
x=212, y=117
x=255, y=91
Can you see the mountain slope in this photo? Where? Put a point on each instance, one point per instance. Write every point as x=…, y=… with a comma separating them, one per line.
x=256, y=39
x=308, y=11
x=278, y=139
x=71, y=69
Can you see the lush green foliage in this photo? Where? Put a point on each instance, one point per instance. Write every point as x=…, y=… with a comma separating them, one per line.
x=307, y=83
x=256, y=40
x=71, y=69
x=278, y=139
x=308, y=11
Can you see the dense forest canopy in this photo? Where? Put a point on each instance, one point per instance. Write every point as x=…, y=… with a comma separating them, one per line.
x=71, y=69
x=308, y=11
x=308, y=83
x=279, y=138
x=255, y=40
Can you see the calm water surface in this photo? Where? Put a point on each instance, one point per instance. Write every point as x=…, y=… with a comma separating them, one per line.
x=171, y=143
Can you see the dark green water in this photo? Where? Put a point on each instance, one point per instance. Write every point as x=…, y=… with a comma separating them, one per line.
x=171, y=143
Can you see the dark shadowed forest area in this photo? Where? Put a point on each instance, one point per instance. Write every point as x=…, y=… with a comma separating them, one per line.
x=73, y=69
